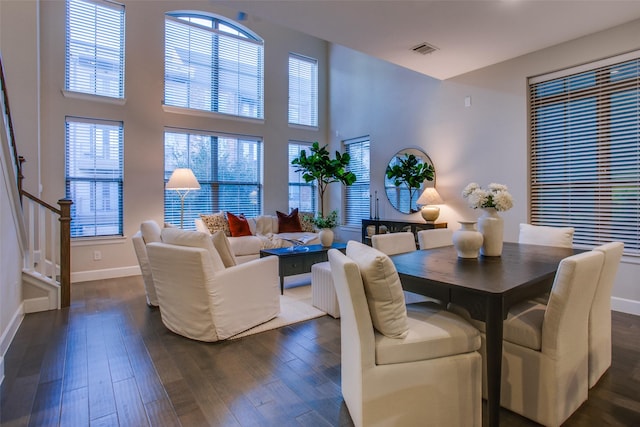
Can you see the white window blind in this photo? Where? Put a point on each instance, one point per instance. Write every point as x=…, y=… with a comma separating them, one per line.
x=585, y=153
x=94, y=176
x=303, y=90
x=214, y=66
x=302, y=194
x=228, y=168
x=95, y=48
x=357, y=195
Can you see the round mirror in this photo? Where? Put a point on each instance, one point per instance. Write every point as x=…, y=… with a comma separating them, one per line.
x=406, y=177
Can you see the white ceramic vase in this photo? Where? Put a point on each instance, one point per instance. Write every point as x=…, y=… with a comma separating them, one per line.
x=491, y=225
x=467, y=240
x=326, y=237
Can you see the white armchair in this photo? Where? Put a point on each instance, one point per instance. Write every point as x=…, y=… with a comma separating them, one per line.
x=149, y=232
x=428, y=375
x=201, y=299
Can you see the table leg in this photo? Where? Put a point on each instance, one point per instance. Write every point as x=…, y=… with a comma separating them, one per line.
x=494, y=319
x=281, y=285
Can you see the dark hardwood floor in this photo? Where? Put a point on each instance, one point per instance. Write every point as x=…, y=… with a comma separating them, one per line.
x=108, y=360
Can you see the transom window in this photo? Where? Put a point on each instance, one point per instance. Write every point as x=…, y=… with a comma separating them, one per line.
x=95, y=48
x=357, y=196
x=303, y=90
x=214, y=65
x=302, y=194
x=94, y=176
x=585, y=140
x=228, y=168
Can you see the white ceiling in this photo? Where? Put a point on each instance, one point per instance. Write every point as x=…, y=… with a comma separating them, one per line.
x=469, y=34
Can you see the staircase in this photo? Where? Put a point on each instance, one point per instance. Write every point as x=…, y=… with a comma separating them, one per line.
x=44, y=230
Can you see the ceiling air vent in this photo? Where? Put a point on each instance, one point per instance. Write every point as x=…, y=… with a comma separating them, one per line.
x=424, y=48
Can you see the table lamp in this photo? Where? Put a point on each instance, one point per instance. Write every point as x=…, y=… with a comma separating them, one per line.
x=182, y=180
x=428, y=199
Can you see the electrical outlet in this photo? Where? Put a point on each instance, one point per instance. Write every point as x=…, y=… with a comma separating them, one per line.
x=97, y=255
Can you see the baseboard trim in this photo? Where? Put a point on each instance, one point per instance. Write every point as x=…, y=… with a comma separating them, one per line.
x=7, y=336
x=107, y=273
x=628, y=306
x=36, y=305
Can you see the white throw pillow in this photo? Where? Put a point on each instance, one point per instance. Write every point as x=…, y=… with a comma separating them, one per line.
x=194, y=239
x=382, y=288
x=561, y=237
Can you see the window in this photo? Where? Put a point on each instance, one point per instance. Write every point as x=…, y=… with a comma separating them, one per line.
x=302, y=195
x=358, y=196
x=95, y=48
x=303, y=90
x=228, y=168
x=585, y=140
x=94, y=175
x=213, y=65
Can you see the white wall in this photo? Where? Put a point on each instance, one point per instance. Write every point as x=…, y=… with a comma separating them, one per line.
x=144, y=119
x=486, y=142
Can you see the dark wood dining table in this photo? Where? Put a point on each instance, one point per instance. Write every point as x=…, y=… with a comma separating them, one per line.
x=487, y=287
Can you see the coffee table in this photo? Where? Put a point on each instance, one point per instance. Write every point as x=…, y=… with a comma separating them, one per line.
x=299, y=259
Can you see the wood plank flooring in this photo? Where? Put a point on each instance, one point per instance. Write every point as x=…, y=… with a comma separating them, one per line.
x=109, y=361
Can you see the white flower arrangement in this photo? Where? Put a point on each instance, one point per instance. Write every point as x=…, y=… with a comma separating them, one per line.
x=496, y=196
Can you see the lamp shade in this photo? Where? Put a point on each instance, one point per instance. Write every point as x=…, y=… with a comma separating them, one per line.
x=430, y=196
x=183, y=179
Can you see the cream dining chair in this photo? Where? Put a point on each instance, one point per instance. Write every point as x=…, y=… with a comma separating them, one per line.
x=394, y=243
x=545, y=356
x=427, y=374
x=435, y=238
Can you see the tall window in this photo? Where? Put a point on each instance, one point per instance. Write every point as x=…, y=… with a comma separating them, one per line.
x=302, y=195
x=95, y=48
x=94, y=176
x=214, y=65
x=585, y=140
x=357, y=196
x=228, y=168
x=303, y=90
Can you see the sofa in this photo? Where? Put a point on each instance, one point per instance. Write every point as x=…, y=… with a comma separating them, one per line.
x=261, y=232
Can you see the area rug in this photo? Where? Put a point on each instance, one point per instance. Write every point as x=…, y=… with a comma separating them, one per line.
x=295, y=306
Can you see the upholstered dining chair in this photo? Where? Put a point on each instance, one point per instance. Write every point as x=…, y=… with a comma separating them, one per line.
x=435, y=238
x=561, y=237
x=401, y=365
x=545, y=355
x=394, y=243
x=600, y=314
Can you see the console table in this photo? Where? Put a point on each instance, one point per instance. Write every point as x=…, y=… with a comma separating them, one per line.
x=394, y=226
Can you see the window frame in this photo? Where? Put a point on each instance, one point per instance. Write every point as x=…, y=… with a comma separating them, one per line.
x=302, y=145
x=221, y=30
x=579, y=172
x=73, y=59
x=361, y=183
x=298, y=87
x=73, y=178
x=209, y=199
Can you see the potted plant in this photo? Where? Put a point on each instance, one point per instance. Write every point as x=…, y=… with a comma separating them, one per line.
x=412, y=172
x=319, y=166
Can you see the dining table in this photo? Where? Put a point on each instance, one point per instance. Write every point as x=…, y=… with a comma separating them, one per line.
x=487, y=287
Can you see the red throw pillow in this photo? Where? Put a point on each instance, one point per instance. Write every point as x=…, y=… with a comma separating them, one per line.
x=238, y=225
x=289, y=223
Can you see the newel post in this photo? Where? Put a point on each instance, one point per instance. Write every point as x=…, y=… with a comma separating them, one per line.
x=65, y=251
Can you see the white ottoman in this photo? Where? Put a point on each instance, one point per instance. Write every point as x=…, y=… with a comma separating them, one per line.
x=323, y=293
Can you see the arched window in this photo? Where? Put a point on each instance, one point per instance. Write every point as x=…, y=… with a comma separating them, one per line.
x=213, y=64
